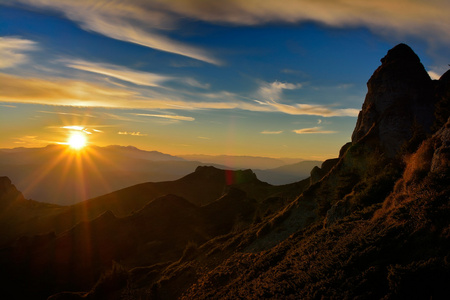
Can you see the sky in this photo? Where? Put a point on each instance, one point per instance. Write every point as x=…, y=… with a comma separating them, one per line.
x=237, y=77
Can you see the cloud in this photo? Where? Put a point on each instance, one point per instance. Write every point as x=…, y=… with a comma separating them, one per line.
x=125, y=74
x=427, y=19
x=272, y=91
x=146, y=23
x=70, y=92
x=313, y=130
x=195, y=83
x=134, y=21
x=12, y=51
x=171, y=117
x=434, y=75
x=437, y=71
x=82, y=129
x=128, y=75
x=134, y=133
x=271, y=132
x=66, y=92
x=65, y=113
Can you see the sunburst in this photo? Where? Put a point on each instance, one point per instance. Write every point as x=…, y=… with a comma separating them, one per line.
x=77, y=141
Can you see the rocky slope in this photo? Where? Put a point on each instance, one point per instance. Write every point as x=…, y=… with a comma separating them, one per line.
x=374, y=226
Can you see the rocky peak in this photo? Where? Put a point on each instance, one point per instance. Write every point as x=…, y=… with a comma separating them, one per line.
x=399, y=101
x=8, y=192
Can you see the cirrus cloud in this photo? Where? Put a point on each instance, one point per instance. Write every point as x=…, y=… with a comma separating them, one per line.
x=135, y=21
x=172, y=117
x=147, y=23
x=271, y=132
x=124, y=74
x=133, y=133
x=13, y=51
x=313, y=130
x=72, y=92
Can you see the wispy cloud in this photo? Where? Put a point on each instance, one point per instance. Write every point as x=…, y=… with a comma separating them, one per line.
x=134, y=21
x=434, y=75
x=171, y=117
x=134, y=133
x=70, y=92
x=271, y=132
x=60, y=92
x=84, y=129
x=7, y=105
x=271, y=94
x=125, y=74
x=13, y=51
x=427, y=19
x=146, y=23
x=195, y=83
x=313, y=130
x=66, y=113
x=272, y=91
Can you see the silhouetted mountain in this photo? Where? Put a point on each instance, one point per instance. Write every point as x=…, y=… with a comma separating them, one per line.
x=241, y=162
x=157, y=233
x=205, y=185
x=287, y=173
x=59, y=175
x=370, y=224
x=18, y=215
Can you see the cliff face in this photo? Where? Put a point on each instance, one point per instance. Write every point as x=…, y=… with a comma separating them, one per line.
x=399, y=102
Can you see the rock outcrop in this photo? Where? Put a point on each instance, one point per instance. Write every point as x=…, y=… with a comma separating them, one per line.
x=399, y=103
x=8, y=193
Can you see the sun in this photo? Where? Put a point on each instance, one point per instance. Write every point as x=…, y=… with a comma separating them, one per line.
x=77, y=141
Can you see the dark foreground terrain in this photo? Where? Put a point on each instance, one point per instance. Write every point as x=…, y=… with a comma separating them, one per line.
x=373, y=223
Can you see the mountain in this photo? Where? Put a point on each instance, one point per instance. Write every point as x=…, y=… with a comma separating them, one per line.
x=23, y=217
x=241, y=162
x=59, y=175
x=287, y=173
x=141, y=225
x=370, y=224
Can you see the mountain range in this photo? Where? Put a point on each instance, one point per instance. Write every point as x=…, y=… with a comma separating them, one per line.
x=56, y=174
x=370, y=224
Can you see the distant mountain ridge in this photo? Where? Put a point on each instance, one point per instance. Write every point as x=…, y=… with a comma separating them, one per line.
x=56, y=174
x=242, y=162
x=100, y=170
x=287, y=173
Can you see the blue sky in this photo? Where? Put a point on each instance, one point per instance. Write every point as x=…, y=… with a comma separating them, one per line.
x=263, y=78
